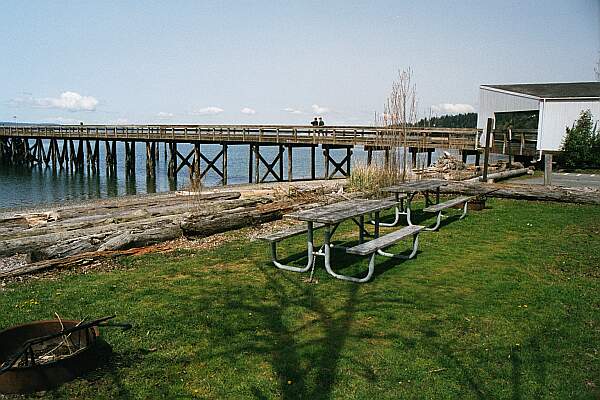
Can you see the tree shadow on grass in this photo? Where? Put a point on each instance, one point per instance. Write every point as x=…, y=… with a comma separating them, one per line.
x=307, y=365
x=305, y=368
x=519, y=362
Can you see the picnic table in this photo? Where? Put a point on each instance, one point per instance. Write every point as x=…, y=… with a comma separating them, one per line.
x=329, y=218
x=409, y=190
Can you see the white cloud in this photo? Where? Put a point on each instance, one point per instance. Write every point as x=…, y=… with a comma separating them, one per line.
x=208, y=111
x=292, y=110
x=165, y=115
x=63, y=121
x=248, y=111
x=70, y=101
x=122, y=121
x=448, y=108
x=317, y=109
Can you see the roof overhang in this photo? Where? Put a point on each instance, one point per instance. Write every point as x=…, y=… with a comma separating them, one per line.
x=492, y=89
x=541, y=98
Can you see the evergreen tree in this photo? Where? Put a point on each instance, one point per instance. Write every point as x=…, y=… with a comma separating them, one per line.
x=581, y=145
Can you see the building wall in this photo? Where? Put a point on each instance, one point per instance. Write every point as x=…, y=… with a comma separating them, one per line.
x=491, y=101
x=556, y=116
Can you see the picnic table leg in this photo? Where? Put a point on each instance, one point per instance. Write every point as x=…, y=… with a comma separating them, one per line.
x=437, y=223
x=361, y=229
x=464, y=214
x=320, y=252
x=401, y=256
x=397, y=211
x=327, y=254
x=408, y=204
x=311, y=255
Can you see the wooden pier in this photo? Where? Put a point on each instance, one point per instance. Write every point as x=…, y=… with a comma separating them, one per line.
x=75, y=146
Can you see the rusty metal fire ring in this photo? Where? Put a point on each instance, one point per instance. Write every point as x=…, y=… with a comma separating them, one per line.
x=32, y=378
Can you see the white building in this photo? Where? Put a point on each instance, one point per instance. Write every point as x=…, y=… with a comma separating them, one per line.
x=559, y=106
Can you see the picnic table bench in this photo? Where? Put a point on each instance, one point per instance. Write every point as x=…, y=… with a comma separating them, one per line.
x=377, y=245
x=438, y=208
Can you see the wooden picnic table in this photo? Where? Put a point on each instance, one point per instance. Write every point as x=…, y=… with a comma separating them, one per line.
x=409, y=190
x=332, y=216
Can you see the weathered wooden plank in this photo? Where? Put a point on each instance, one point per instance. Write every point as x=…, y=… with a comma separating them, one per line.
x=288, y=233
x=381, y=242
x=338, y=212
x=416, y=186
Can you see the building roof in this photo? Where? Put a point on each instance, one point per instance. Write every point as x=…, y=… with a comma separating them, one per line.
x=553, y=90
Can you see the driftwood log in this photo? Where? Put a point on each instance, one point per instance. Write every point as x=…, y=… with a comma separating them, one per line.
x=496, y=176
x=138, y=222
x=525, y=192
x=206, y=224
x=76, y=234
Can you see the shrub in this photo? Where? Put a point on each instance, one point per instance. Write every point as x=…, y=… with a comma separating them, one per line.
x=370, y=179
x=581, y=145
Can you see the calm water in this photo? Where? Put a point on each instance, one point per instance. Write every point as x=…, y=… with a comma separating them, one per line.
x=23, y=186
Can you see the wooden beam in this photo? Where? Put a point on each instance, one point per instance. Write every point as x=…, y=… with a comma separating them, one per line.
x=547, y=169
x=225, y=150
x=312, y=163
x=290, y=163
x=486, y=157
x=250, y=162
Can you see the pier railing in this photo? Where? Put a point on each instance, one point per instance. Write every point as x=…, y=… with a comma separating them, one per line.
x=455, y=138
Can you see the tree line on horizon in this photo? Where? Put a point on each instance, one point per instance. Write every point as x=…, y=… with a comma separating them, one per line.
x=466, y=120
x=517, y=120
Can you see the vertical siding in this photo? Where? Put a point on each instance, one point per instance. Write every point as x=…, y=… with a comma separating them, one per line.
x=557, y=116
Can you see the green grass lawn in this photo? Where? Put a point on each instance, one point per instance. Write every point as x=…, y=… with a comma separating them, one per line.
x=504, y=304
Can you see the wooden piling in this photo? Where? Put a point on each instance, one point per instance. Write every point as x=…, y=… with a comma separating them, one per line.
x=281, y=151
x=312, y=163
x=250, y=163
x=290, y=163
x=225, y=149
x=326, y=162
x=486, y=157
x=256, y=163
x=547, y=169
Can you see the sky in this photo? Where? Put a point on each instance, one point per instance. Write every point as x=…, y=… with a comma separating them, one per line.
x=278, y=62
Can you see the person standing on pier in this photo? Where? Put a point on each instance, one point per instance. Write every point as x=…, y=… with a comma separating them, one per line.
x=321, y=123
x=315, y=123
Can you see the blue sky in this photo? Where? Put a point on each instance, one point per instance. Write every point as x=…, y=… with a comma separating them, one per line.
x=277, y=62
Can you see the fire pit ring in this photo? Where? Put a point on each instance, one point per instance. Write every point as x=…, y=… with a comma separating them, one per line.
x=43, y=376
